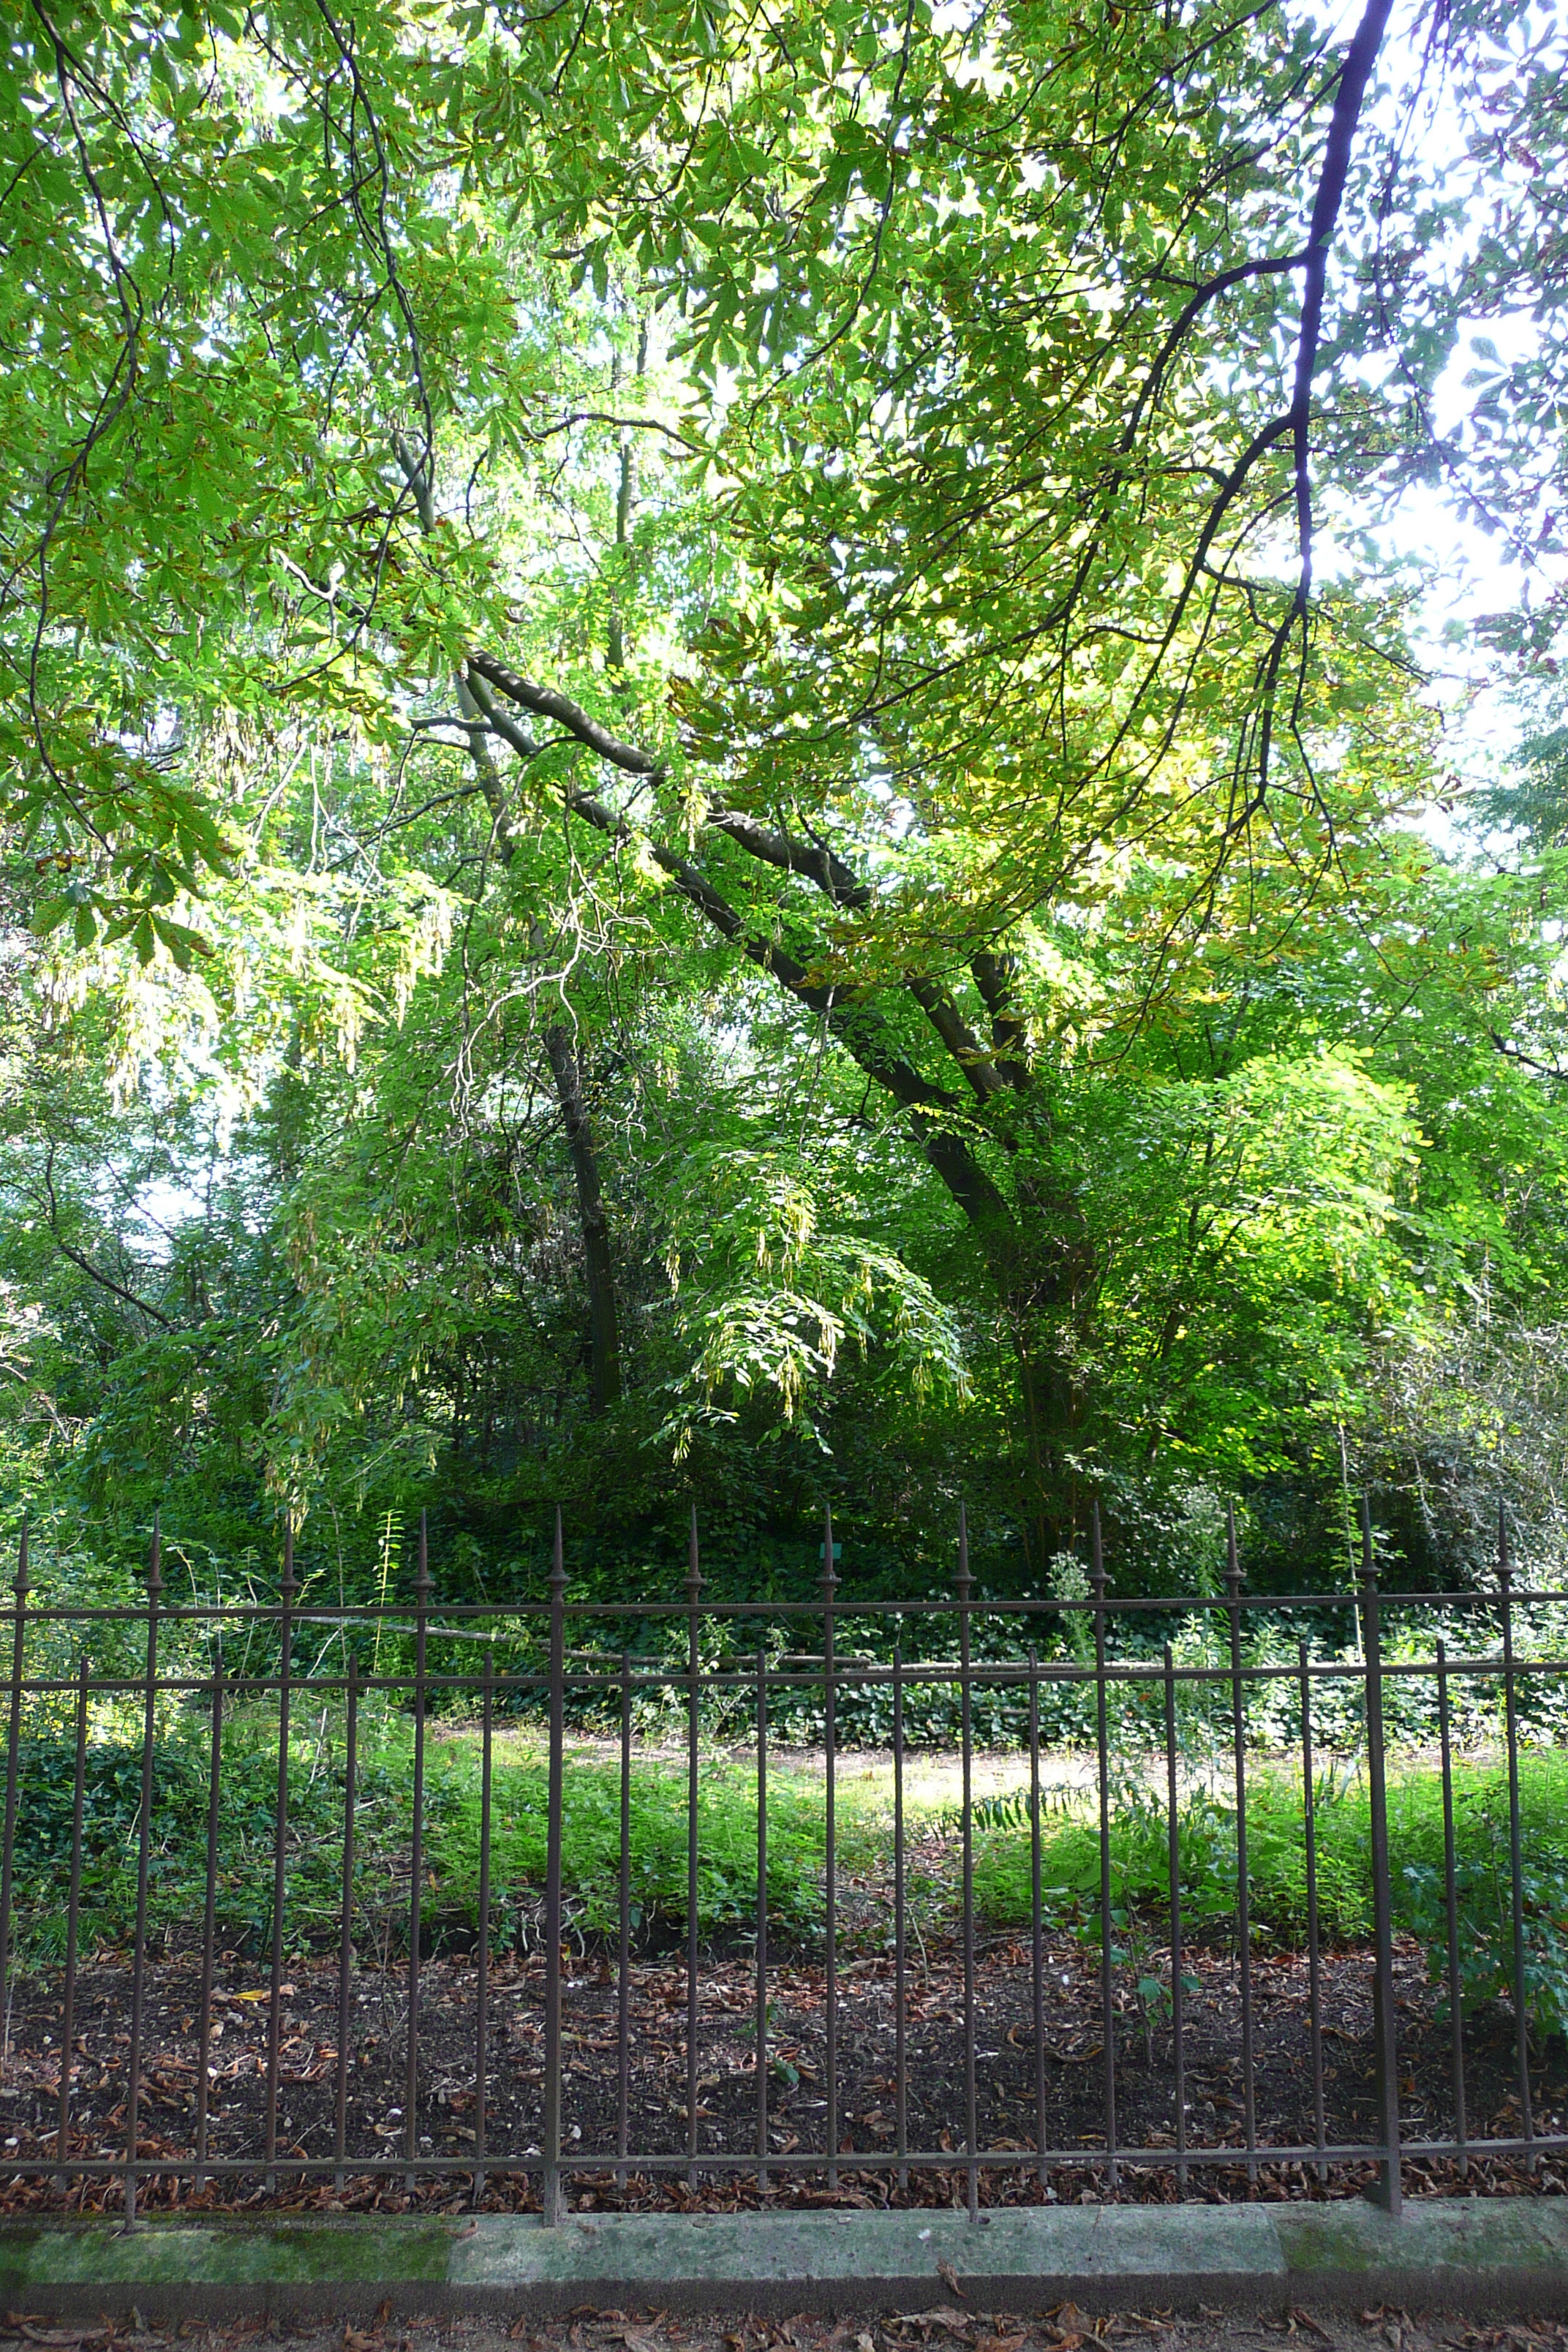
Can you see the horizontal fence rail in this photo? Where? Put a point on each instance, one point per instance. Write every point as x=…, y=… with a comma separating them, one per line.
x=1234, y=1894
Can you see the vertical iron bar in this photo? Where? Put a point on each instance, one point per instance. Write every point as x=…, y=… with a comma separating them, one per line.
x=280, y=1844
x=209, y=1915
x=900, y=2002
x=1314, y=1957
x=144, y=1858
x=624, y=1936
x=346, y=1935
x=1451, y=1887
x=417, y=1857
x=1107, y=1976
x=830, y=1844
x=1036, y=1912
x=482, y=1982
x=73, y=1918
x=693, y=1733
x=552, y=2200
x=8, y=1844
x=1243, y=1883
x=1390, y=2187
x=1515, y=1841
x=966, y=1744
x=1178, y=1995
x=762, y=1917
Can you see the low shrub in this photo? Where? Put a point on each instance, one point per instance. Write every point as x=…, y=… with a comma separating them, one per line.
x=1277, y=1870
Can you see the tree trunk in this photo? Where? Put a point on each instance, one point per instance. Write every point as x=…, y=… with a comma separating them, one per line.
x=604, y=1324
x=559, y=1047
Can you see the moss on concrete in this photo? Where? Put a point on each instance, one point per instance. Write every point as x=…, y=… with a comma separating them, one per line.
x=1453, y=2237
x=283, y=2253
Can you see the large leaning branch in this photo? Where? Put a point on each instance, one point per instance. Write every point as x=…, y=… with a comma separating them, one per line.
x=858, y=1027
x=814, y=862
x=546, y=702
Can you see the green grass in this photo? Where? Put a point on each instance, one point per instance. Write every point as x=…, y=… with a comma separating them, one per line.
x=727, y=1853
x=656, y=1843
x=726, y=1839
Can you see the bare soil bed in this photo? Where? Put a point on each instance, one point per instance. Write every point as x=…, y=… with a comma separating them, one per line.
x=727, y=2092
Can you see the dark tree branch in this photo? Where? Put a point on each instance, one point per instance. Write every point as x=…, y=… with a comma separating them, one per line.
x=86, y=1265
x=814, y=861
x=858, y=1027
x=937, y=1004
x=996, y=976
x=560, y=1043
x=1529, y=1061
x=566, y=1069
x=1354, y=75
x=546, y=702
x=622, y=423
x=1206, y=293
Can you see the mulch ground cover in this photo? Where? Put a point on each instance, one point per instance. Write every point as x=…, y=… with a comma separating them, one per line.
x=944, y=2326
x=1061, y=2328
x=728, y=2088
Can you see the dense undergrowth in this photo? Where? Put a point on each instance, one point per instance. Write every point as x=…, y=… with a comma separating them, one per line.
x=658, y=1850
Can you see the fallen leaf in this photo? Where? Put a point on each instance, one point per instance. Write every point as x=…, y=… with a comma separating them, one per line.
x=949, y=2277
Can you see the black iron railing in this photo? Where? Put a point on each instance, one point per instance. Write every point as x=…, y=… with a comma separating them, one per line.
x=302, y=1893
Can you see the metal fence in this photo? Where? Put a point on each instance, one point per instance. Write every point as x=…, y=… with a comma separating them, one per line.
x=856, y=2036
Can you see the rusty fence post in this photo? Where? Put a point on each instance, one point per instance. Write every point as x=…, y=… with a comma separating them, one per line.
x=1515, y=1843
x=693, y=1793
x=552, y=2199
x=209, y=1916
x=1243, y=1881
x=73, y=1920
x=482, y=1955
x=967, y=1757
x=416, y=1859
x=279, y=1847
x=143, y=1859
x=346, y=1924
x=1389, y=2189
x=1102, y=1754
x=8, y=1849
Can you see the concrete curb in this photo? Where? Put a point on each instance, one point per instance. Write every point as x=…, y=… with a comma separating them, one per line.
x=1506, y=2254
